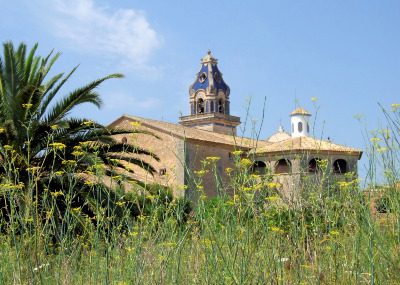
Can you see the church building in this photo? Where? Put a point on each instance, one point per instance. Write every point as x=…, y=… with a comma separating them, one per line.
x=209, y=131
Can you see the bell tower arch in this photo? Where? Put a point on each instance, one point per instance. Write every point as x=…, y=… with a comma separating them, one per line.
x=209, y=100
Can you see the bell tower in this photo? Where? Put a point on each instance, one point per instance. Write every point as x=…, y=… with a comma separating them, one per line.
x=209, y=100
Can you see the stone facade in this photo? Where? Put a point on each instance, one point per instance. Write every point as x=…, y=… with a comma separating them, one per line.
x=208, y=135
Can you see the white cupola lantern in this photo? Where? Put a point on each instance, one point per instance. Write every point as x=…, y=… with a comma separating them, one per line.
x=300, y=120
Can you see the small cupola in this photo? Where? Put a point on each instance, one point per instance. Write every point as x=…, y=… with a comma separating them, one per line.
x=300, y=120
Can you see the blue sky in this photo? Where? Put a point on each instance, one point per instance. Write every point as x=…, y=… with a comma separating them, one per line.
x=345, y=53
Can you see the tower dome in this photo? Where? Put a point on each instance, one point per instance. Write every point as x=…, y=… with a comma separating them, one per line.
x=280, y=135
x=209, y=100
x=209, y=79
x=300, y=120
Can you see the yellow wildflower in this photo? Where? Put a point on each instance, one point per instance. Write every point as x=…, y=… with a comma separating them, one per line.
x=382, y=149
x=245, y=161
x=86, y=143
x=272, y=198
x=313, y=99
x=375, y=140
x=136, y=124
x=2, y=130
x=237, y=152
x=274, y=229
x=87, y=122
x=53, y=127
x=27, y=105
x=213, y=158
x=228, y=170
x=306, y=266
x=76, y=209
x=133, y=234
x=334, y=233
x=7, y=146
x=58, y=145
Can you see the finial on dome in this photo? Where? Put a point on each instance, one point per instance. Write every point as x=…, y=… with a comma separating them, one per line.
x=209, y=52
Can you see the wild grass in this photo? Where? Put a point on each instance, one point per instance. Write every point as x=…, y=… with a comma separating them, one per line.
x=335, y=237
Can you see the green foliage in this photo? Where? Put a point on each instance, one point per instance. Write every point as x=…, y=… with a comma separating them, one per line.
x=42, y=147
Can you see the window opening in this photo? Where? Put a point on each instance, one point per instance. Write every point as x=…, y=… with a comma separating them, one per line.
x=203, y=77
x=340, y=166
x=300, y=127
x=258, y=167
x=313, y=165
x=200, y=107
x=221, y=106
x=162, y=171
x=282, y=166
x=212, y=106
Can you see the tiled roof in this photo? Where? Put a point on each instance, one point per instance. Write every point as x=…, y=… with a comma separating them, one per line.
x=194, y=133
x=300, y=111
x=307, y=144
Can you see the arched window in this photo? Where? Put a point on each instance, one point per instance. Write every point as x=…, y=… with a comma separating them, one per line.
x=200, y=106
x=282, y=166
x=221, y=106
x=212, y=106
x=340, y=166
x=308, y=128
x=227, y=108
x=300, y=127
x=207, y=106
x=191, y=109
x=258, y=167
x=292, y=128
x=313, y=165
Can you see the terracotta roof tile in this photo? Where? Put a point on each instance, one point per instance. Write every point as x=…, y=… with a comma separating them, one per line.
x=197, y=134
x=300, y=111
x=307, y=144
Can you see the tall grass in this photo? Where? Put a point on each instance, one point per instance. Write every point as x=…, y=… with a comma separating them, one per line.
x=335, y=237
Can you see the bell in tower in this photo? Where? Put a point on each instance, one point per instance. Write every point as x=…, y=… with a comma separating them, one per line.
x=209, y=100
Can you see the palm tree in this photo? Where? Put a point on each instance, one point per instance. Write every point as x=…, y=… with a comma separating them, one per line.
x=37, y=135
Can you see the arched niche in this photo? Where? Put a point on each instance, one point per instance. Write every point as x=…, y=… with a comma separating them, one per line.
x=259, y=167
x=200, y=106
x=283, y=166
x=221, y=106
x=313, y=165
x=340, y=166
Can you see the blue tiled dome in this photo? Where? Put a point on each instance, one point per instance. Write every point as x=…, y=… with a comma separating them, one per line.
x=209, y=78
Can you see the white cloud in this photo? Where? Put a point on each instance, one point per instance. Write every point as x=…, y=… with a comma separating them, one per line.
x=85, y=27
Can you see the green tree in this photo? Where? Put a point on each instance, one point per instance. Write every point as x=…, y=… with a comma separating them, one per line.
x=39, y=139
